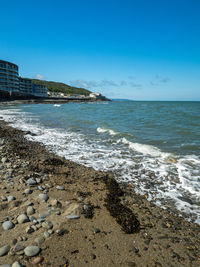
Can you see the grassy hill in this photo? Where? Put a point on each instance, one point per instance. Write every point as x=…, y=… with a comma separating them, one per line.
x=62, y=87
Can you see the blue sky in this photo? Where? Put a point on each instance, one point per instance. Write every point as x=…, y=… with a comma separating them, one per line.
x=136, y=49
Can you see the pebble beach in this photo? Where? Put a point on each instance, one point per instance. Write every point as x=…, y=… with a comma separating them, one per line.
x=54, y=212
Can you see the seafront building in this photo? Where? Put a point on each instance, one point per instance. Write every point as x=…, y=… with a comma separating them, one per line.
x=12, y=83
x=28, y=87
x=9, y=77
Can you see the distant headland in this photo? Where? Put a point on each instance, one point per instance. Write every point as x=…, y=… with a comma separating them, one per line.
x=14, y=87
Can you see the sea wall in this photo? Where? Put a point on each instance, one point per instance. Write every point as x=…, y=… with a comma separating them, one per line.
x=7, y=96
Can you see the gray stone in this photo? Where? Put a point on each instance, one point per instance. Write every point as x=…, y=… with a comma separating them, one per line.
x=19, y=247
x=34, y=227
x=39, y=225
x=4, y=160
x=28, y=191
x=5, y=265
x=3, y=198
x=30, y=210
x=17, y=264
x=29, y=230
x=46, y=235
x=55, y=203
x=33, y=219
x=57, y=212
x=38, y=180
x=85, y=207
x=4, y=250
x=31, y=181
x=47, y=225
x=40, y=188
x=43, y=197
x=39, y=240
x=22, y=218
x=51, y=231
x=40, y=220
x=8, y=225
x=59, y=187
x=31, y=251
x=44, y=215
x=10, y=198
x=72, y=217
x=30, y=203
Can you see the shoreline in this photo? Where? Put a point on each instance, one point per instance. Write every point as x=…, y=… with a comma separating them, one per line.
x=50, y=101
x=116, y=227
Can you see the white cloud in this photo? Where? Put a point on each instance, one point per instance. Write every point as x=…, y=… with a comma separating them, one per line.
x=39, y=77
x=92, y=84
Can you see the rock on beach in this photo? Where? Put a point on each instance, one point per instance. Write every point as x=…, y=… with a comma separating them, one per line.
x=8, y=225
x=4, y=250
x=22, y=218
x=16, y=264
x=43, y=197
x=31, y=251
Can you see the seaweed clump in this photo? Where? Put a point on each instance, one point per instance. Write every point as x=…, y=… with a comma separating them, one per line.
x=123, y=215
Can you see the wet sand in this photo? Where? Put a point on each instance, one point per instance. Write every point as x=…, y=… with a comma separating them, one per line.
x=87, y=220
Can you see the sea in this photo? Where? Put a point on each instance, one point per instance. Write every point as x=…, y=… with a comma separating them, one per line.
x=153, y=146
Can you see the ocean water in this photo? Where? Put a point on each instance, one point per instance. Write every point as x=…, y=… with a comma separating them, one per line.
x=154, y=146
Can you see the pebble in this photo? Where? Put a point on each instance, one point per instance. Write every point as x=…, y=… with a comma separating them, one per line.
x=40, y=220
x=29, y=230
x=38, y=180
x=14, y=241
x=62, y=231
x=43, y=197
x=31, y=181
x=72, y=217
x=18, y=247
x=29, y=203
x=57, y=212
x=85, y=207
x=39, y=240
x=44, y=215
x=10, y=198
x=28, y=191
x=59, y=187
x=31, y=251
x=38, y=226
x=37, y=260
x=50, y=231
x=46, y=235
x=97, y=230
x=22, y=218
x=4, y=250
x=33, y=219
x=4, y=160
x=40, y=188
x=16, y=264
x=3, y=198
x=47, y=225
x=30, y=210
x=136, y=250
x=8, y=225
x=34, y=227
x=55, y=203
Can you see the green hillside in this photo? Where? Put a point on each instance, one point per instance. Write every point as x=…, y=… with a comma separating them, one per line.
x=62, y=87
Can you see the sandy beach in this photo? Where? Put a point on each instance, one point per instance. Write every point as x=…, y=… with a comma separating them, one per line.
x=54, y=212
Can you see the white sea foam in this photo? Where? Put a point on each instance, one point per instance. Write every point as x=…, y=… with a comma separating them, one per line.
x=105, y=130
x=144, y=149
x=167, y=183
